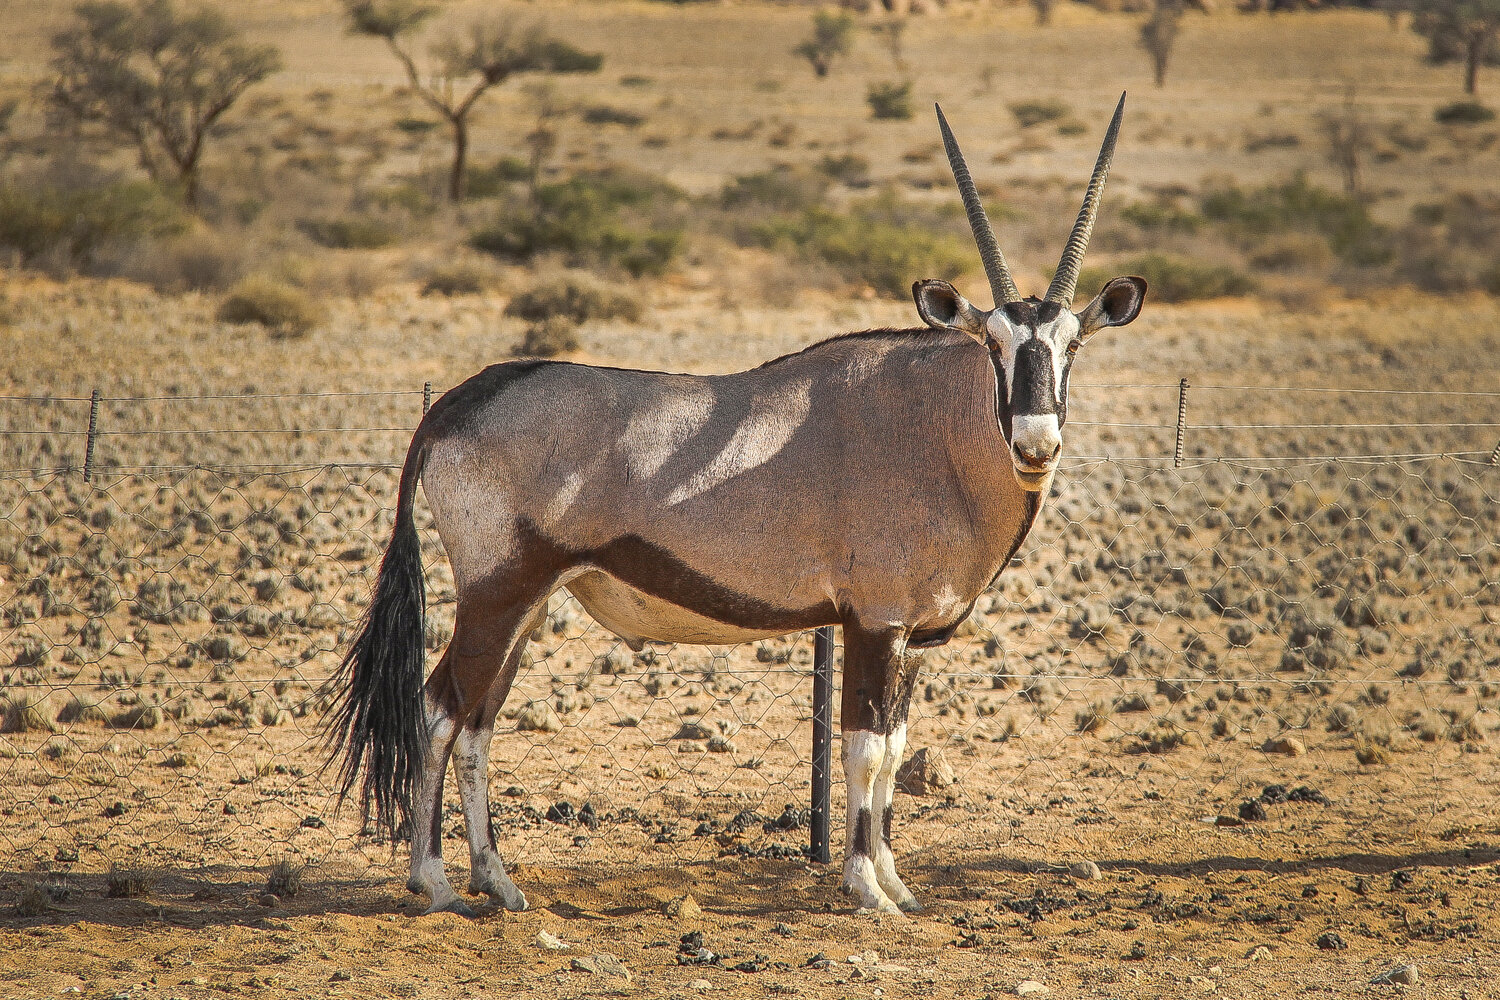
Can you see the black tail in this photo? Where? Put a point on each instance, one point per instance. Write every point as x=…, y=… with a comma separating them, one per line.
x=378, y=721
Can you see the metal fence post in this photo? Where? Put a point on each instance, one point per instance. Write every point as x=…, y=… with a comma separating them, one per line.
x=1182, y=389
x=88, y=447
x=822, y=767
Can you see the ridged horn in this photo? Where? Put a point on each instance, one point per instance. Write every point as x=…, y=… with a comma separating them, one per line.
x=1001, y=285
x=1065, y=281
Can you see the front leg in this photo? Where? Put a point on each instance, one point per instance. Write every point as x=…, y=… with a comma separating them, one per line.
x=878, y=681
x=885, y=787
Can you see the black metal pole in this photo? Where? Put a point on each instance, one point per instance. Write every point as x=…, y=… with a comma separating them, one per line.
x=822, y=768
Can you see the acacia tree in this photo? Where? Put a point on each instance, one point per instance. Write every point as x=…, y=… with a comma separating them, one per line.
x=1159, y=35
x=1459, y=31
x=153, y=78
x=489, y=52
x=831, y=37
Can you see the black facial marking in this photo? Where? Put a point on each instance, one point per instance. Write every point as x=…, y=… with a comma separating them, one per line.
x=862, y=833
x=885, y=826
x=1062, y=401
x=1046, y=312
x=1032, y=383
x=1022, y=313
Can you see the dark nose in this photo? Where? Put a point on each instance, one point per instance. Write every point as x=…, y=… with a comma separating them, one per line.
x=1035, y=458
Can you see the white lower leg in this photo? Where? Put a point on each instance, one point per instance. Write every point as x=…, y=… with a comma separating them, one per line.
x=863, y=752
x=427, y=874
x=885, y=787
x=486, y=869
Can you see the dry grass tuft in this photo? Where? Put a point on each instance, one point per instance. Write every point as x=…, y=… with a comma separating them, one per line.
x=129, y=883
x=23, y=714
x=285, y=879
x=284, y=310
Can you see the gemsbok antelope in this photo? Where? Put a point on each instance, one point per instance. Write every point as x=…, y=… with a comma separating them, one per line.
x=879, y=481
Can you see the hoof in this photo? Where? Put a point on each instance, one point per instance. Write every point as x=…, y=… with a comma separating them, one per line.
x=454, y=905
x=910, y=906
x=874, y=911
x=509, y=897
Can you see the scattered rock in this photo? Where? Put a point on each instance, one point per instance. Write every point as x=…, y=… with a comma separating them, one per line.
x=551, y=942
x=1084, y=870
x=693, y=731
x=1259, y=953
x=720, y=744
x=1253, y=811
x=603, y=964
x=1331, y=941
x=682, y=908
x=1288, y=745
x=538, y=717
x=1030, y=988
x=1224, y=819
x=1406, y=975
x=926, y=772
x=701, y=985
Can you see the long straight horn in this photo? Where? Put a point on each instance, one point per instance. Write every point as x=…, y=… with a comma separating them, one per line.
x=1001, y=286
x=1065, y=281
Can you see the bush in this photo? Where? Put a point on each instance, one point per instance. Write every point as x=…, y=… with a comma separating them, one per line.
x=866, y=245
x=603, y=114
x=785, y=188
x=72, y=227
x=458, y=278
x=1343, y=221
x=548, y=337
x=351, y=232
x=284, y=310
x=890, y=100
x=576, y=298
x=607, y=217
x=1029, y=113
x=201, y=260
x=1173, y=278
x=1463, y=113
x=1156, y=217
x=487, y=182
x=846, y=168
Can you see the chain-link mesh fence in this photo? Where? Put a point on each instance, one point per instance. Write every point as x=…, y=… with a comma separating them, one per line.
x=1303, y=644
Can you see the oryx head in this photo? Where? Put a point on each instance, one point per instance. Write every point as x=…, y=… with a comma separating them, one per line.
x=1032, y=340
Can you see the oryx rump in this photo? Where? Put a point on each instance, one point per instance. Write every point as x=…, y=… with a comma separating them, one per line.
x=879, y=481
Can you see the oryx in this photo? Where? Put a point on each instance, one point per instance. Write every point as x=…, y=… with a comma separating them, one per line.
x=879, y=481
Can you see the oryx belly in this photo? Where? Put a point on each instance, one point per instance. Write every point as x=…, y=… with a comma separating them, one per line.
x=635, y=615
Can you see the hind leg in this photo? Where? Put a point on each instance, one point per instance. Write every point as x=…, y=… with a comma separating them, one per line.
x=471, y=757
x=485, y=631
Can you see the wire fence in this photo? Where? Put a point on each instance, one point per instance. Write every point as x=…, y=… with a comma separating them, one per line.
x=1183, y=635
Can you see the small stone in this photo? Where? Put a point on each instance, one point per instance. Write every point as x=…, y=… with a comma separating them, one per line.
x=603, y=964
x=720, y=744
x=1290, y=746
x=1084, y=870
x=701, y=985
x=269, y=899
x=1203, y=983
x=689, y=747
x=1259, y=953
x=1031, y=988
x=1406, y=975
x=926, y=772
x=1252, y=811
x=538, y=717
x=1331, y=941
x=1224, y=819
x=683, y=908
x=551, y=942
x=692, y=731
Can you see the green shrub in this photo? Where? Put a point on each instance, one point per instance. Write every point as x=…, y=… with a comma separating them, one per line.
x=457, y=278
x=284, y=310
x=604, y=114
x=576, y=298
x=846, y=168
x=1295, y=204
x=865, y=247
x=889, y=100
x=415, y=126
x=1029, y=113
x=785, y=188
x=73, y=226
x=1173, y=278
x=489, y=181
x=1463, y=113
x=351, y=232
x=1157, y=217
x=547, y=337
x=606, y=217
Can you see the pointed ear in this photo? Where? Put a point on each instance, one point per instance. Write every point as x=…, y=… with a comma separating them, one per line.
x=1118, y=304
x=941, y=307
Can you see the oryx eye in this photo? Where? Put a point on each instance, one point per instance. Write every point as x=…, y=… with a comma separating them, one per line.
x=1073, y=346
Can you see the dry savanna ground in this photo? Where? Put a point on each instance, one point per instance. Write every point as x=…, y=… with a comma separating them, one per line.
x=1224, y=729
